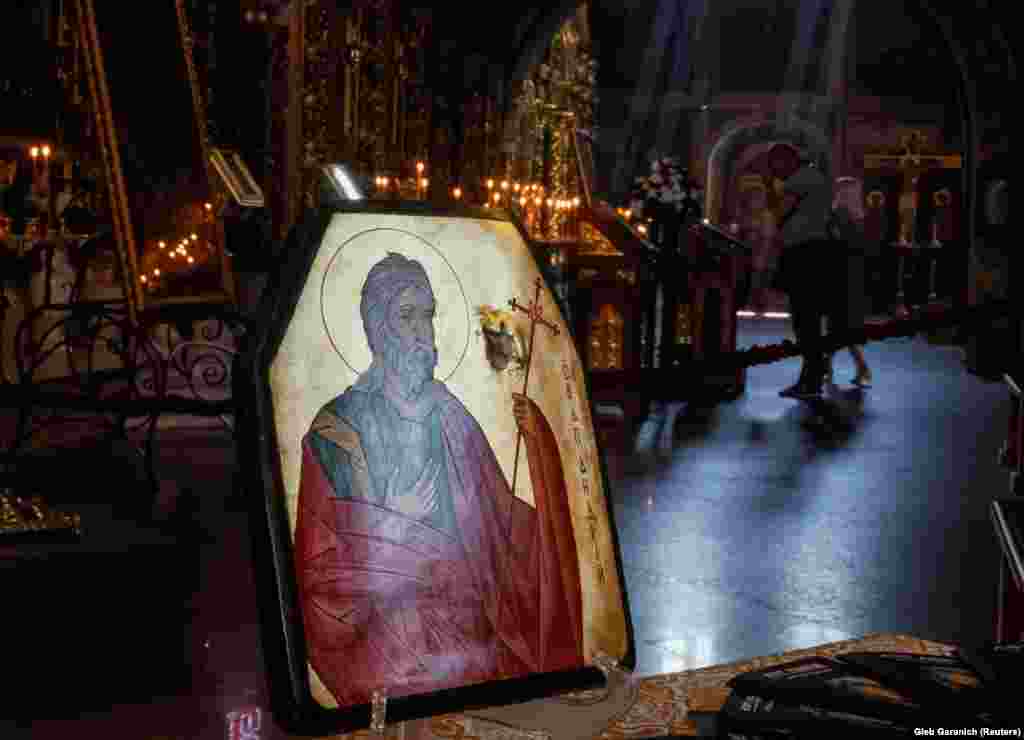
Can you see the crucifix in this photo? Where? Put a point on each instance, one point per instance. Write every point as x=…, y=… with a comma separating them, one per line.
x=536, y=314
x=911, y=163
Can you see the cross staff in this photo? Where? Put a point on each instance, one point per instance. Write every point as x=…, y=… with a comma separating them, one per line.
x=536, y=315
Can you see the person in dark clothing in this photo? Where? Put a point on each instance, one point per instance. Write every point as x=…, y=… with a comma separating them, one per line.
x=806, y=247
x=849, y=308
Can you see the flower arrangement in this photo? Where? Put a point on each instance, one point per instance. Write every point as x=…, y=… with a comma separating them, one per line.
x=668, y=184
x=504, y=343
x=494, y=319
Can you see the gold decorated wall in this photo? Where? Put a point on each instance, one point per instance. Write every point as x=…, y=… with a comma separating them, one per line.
x=381, y=86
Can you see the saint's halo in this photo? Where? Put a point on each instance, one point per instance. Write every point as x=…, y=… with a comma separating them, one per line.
x=341, y=291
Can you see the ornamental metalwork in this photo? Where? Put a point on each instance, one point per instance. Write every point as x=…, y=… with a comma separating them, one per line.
x=606, y=338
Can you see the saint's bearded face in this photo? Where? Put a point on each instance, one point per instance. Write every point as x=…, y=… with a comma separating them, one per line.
x=410, y=353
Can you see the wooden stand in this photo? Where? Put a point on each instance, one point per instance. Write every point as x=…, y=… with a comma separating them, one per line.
x=673, y=311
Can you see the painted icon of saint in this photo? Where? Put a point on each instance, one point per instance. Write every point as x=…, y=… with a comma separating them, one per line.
x=418, y=569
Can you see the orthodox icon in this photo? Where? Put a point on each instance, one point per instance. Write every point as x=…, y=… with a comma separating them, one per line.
x=448, y=515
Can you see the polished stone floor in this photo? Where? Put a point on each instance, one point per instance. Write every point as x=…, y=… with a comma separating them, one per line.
x=752, y=532
x=745, y=531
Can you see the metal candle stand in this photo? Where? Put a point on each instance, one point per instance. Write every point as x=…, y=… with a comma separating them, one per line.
x=935, y=245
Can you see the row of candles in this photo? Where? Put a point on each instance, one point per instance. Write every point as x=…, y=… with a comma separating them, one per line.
x=627, y=216
x=393, y=185
x=544, y=216
x=177, y=256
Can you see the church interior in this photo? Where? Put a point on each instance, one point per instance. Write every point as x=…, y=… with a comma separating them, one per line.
x=159, y=160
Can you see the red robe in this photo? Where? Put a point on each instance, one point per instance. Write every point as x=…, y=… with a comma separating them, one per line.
x=393, y=604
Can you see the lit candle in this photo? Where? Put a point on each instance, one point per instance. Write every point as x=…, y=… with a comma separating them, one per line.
x=190, y=260
x=504, y=184
x=457, y=192
x=515, y=186
x=490, y=184
x=522, y=201
x=208, y=206
x=497, y=198
x=419, y=168
x=163, y=245
x=423, y=186
x=142, y=279
x=156, y=272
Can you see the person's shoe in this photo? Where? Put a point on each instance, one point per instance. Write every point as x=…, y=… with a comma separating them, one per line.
x=863, y=378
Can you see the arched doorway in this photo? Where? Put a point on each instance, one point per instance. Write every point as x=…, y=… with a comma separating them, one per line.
x=745, y=202
x=741, y=141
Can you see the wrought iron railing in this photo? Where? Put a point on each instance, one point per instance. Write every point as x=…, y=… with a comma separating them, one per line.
x=81, y=361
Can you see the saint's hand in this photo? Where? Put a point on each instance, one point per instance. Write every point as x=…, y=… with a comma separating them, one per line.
x=527, y=414
x=420, y=500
